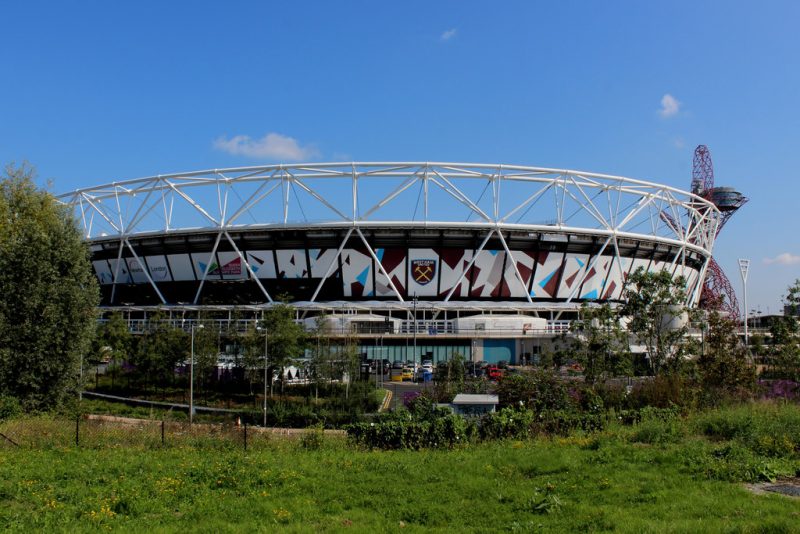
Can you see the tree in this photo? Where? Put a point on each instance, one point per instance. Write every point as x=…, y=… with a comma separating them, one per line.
x=724, y=365
x=287, y=339
x=449, y=378
x=113, y=340
x=253, y=343
x=599, y=343
x=49, y=294
x=658, y=317
x=322, y=358
x=160, y=349
x=785, y=334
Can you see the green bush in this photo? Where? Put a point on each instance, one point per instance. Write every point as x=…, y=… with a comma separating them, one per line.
x=664, y=391
x=540, y=389
x=733, y=462
x=313, y=438
x=508, y=423
x=443, y=432
x=771, y=430
x=9, y=407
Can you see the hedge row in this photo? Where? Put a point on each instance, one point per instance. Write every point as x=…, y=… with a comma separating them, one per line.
x=447, y=431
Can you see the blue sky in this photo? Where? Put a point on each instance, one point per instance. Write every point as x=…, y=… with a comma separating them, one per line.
x=98, y=91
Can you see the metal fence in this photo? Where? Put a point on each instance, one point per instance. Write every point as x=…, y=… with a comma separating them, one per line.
x=102, y=431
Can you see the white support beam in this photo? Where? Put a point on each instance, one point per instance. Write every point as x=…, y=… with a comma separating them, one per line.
x=211, y=256
x=249, y=267
x=469, y=265
x=379, y=265
x=333, y=264
x=514, y=264
x=145, y=270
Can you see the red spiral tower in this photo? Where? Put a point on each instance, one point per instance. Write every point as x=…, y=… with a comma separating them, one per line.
x=718, y=292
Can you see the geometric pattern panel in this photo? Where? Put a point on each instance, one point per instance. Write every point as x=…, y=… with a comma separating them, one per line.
x=549, y=269
x=357, y=273
x=452, y=264
x=487, y=273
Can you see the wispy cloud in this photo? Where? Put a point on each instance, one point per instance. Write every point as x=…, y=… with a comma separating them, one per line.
x=449, y=34
x=669, y=106
x=679, y=143
x=271, y=146
x=783, y=259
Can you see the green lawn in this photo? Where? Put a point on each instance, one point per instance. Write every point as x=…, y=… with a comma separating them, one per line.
x=603, y=482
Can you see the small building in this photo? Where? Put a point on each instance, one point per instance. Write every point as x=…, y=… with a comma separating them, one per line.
x=469, y=404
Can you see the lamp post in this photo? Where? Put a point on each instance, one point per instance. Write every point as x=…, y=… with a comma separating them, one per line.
x=415, y=332
x=266, y=367
x=191, y=377
x=744, y=267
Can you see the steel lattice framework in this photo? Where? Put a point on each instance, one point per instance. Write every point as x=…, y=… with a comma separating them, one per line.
x=355, y=198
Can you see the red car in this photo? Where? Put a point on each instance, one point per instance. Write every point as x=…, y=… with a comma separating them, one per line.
x=494, y=372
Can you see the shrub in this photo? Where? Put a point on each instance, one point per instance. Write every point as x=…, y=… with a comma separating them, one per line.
x=733, y=463
x=9, y=407
x=658, y=432
x=441, y=432
x=664, y=391
x=769, y=430
x=313, y=438
x=508, y=423
x=537, y=390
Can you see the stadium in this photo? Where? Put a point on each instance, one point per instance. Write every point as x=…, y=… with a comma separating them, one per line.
x=415, y=260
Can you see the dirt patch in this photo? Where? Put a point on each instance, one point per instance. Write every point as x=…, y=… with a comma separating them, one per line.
x=789, y=487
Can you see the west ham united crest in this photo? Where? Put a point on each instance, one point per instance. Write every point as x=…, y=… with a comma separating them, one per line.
x=423, y=271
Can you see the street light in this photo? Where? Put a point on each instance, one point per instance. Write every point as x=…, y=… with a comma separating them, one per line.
x=266, y=366
x=191, y=378
x=415, y=332
x=744, y=267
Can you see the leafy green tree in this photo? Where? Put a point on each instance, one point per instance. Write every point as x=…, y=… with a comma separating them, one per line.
x=287, y=339
x=160, y=349
x=784, y=351
x=113, y=338
x=206, y=349
x=49, y=294
x=724, y=365
x=599, y=343
x=253, y=344
x=658, y=317
x=349, y=361
x=322, y=356
x=449, y=378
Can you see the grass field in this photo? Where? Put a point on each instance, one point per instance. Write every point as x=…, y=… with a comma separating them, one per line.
x=656, y=477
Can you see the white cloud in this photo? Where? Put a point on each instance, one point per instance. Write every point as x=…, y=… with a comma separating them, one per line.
x=449, y=34
x=669, y=106
x=783, y=259
x=679, y=143
x=271, y=146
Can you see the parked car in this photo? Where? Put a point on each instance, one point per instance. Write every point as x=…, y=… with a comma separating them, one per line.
x=427, y=366
x=494, y=372
x=408, y=374
x=398, y=365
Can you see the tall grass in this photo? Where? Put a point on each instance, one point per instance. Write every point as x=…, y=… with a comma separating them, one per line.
x=618, y=479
